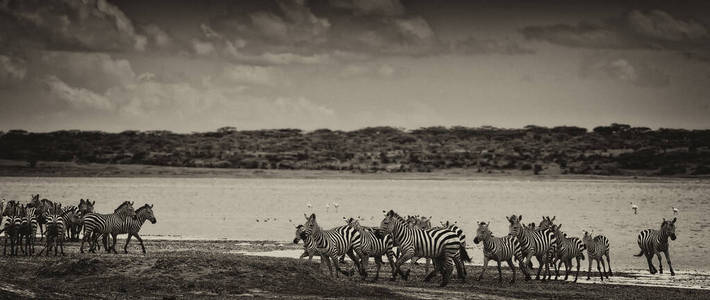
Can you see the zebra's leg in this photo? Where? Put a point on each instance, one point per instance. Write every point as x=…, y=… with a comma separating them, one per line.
x=426, y=265
x=590, y=267
x=485, y=266
x=140, y=240
x=128, y=239
x=356, y=262
x=608, y=263
x=81, y=248
x=557, y=267
x=576, y=275
x=304, y=254
x=327, y=261
x=378, y=261
x=364, y=260
x=599, y=270
x=398, y=265
x=390, y=260
x=500, y=272
x=668, y=260
x=447, y=267
x=649, y=258
x=660, y=265
x=113, y=246
x=512, y=268
x=437, y=268
x=460, y=269
x=540, y=261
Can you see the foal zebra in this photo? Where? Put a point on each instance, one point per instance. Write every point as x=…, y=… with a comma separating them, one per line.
x=132, y=226
x=333, y=243
x=97, y=224
x=373, y=243
x=567, y=249
x=309, y=248
x=597, y=248
x=653, y=241
x=540, y=243
x=440, y=244
x=499, y=249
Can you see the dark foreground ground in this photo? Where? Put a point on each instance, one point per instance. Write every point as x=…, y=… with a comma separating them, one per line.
x=205, y=269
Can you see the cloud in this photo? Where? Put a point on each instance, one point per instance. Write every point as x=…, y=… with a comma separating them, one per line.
x=203, y=47
x=12, y=70
x=80, y=98
x=371, y=7
x=69, y=25
x=624, y=70
x=369, y=70
x=251, y=75
x=95, y=71
x=473, y=46
x=157, y=36
x=655, y=29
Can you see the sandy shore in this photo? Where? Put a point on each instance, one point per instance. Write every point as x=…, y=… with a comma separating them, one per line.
x=214, y=269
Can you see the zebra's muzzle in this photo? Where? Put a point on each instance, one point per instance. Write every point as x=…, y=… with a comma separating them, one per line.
x=295, y=241
x=476, y=240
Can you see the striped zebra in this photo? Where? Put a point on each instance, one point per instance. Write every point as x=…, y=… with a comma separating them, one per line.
x=442, y=245
x=28, y=230
x=540, y=243
x=76, y=224
x=97, y=224
x=42, y=206
x=132, y=226
x=333, y=243
x=309, y=248
x=463, y=254
x=56, y=220
x=499, y=249
x=568, y=248
x=597, y=247
x=11, y=226
x=653, y=242
x=374, y=243
x=545, y=223
x=421, y=223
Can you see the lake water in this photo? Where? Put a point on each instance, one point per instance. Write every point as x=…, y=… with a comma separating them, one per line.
x=203, y=208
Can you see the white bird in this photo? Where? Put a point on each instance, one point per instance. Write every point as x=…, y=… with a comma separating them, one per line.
x=309, y=205
x=327, y=206
x=675, y=210
x=336, y=205
x=634, y=207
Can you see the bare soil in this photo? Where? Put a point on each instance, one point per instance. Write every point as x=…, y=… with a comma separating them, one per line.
x=207, y=269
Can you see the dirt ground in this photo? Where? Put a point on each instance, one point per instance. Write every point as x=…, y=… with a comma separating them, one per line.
x=207, y=269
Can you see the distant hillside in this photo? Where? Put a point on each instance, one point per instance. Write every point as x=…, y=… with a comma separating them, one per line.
x=607, y=150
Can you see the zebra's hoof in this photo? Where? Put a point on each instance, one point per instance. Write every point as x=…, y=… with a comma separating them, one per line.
x=672, y=273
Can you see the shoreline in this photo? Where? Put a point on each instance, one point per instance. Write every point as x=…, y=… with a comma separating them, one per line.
x=13, y=168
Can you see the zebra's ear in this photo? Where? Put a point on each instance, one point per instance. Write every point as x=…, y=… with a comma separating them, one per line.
x=674, y=219
x=520, y=218
x=305, y=216
x=553, y=218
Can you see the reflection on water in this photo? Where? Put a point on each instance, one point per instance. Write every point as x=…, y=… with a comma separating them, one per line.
x=268, y=209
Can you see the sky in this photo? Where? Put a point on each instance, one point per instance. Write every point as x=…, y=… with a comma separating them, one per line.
x=191, y=66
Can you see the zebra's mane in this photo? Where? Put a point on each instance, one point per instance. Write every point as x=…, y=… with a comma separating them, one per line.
x=394, y=215
x=121, y=206
x=141, y=208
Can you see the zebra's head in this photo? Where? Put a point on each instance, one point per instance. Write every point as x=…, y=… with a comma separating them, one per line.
x=86, y=206
x=588, y=238
x=547, y=222
x=389, y=222
x=311, y=225
x=125, y=209
x=515, y=228
x=300, y=234
x=668, y=228
x=482, y=233
x=146, y=211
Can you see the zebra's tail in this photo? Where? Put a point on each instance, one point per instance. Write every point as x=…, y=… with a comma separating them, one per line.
x=581, y=256
x=464, y=254
x=640, y=253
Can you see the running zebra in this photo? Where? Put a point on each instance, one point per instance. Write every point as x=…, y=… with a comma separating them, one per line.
x=97, y=224
x=84, y=207
x=309, y=248
x=440, y=244
x=499, y=249
x=132, y=226
x=373, y=243
x=653, y=242
x=540, y=243
x=462, y=238
x=597, y=247
x=421, y=223
x=567, y=249
x=333, y=243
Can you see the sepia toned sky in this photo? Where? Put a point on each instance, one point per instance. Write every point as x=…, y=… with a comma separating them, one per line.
x=345, y=64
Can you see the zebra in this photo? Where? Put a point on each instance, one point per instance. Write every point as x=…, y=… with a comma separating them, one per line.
x=373, y=243
x=653, y=241
x=11, y=226
x=499, y=249
x=42, y=206
x=84, y=207
x=545, y=223
x=596, y=249
x=440, y=244
x=95, y=224
x=132, y=226
x=421, y=223
x=56, y=220
x=309, y=248
x=463, y=254
x=567, y=249
x=540, y=243
x=28, y=230
x=333, y=243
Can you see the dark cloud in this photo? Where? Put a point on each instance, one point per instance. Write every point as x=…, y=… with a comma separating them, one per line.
x=473, y=46
x=623, y=69
x=654, y=29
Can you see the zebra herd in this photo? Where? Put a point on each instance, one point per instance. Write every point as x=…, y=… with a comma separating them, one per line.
x=403, y=239
x=56, y=223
